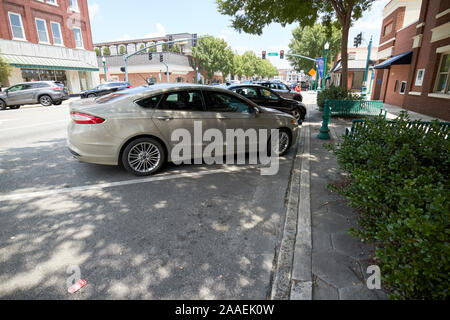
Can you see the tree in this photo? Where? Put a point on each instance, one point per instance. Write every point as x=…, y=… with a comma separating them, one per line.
x=249, y=64
x=122, y=50
x=106, y=51
x=251, y=16
x=5, y=71
x=97, y=52
x=310, y=41
x=214, y=55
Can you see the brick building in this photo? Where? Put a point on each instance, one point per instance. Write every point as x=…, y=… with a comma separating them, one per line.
x=413, y=67
x=182, y=67
x=48, y=40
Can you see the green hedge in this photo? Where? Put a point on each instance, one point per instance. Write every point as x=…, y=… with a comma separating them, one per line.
x=335, y=93
x=400, y=184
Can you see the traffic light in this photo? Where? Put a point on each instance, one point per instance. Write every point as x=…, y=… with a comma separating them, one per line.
x=263, y=54
x=150, y=56
x=194, y=41
x=170, y=44
x=358, y=40
x=282, y=54
x=161, y=57
x=122, y=69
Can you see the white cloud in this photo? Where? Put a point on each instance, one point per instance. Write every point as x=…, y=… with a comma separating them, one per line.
x=94, y=9
x=160, y=31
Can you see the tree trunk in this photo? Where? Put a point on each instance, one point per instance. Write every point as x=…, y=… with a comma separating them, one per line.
x=344, y=55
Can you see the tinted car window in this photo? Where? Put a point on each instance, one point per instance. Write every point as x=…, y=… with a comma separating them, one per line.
x=250, y=93
x=283, y=86
x=269, y=95
x=182, y=101
x=150, y=102
x=221, y=102
x=39, y=85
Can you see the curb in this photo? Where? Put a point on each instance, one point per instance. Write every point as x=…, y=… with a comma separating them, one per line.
x=293, y=277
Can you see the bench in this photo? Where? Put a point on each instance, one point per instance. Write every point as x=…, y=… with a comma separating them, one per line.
x=349, y=108
x=423, y=125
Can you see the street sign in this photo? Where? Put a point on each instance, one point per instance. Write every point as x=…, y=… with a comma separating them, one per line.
x=273, y=54
x=312, y=72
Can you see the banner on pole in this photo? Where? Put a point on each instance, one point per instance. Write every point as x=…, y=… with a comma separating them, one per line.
x=320, y=66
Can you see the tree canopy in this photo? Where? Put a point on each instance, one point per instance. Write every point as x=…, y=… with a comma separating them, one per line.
x=5, y=71
x=310, y=41
x=251, y=16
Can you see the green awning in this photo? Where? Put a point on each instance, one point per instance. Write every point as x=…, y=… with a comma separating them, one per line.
x=47, y=63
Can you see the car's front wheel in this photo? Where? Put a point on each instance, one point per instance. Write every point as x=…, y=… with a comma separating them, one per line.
x=2, y=105
x=58, y=103
x=92, y=95
x=284, y=143
x=15, y=107
x=296, y=113
x=45, y=100
x=143, y=157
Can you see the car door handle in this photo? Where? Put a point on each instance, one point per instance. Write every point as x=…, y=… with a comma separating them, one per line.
x=164, y=118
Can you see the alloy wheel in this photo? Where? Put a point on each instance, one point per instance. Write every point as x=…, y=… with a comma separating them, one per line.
x=45, y=101
x=144, y=157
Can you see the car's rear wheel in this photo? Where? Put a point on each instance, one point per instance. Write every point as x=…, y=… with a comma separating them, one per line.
x=45, y=100
x=297, y=115
x=2, y=105
x=58, y=103
x=298, y=97
x=92, y=95
x=15, y=107
x=284, y=143
x=143, y=157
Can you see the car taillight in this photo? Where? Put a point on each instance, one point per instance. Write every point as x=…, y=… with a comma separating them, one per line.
x=83, y=118
x=58, y=89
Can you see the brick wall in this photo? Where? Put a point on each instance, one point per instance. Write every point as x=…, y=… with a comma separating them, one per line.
x=31, y=9
x=397, y=73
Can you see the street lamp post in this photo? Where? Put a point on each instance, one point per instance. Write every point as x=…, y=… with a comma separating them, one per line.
x=104, y=67
x=327, y=46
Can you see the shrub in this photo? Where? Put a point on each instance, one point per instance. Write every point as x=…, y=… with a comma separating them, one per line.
x=400, y=186
x=334, y=93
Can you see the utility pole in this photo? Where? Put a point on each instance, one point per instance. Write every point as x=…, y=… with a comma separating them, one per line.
x=366, y=74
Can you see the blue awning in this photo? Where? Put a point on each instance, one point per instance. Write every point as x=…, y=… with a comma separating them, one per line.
x=402, y=58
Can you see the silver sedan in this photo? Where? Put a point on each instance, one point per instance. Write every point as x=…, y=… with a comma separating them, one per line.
x=135, y=127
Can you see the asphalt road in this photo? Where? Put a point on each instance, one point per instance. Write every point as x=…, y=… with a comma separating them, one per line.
x=190, y=232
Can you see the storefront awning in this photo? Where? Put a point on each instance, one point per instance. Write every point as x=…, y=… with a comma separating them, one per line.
x=403, y=58
x=47, y=63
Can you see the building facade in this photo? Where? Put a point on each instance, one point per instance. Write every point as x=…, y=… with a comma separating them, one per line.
x=357, y=61
x=48, y=40
x=141, y=69
x=413, y=67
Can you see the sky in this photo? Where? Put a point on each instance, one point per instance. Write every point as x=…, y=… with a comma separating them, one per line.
x=113, y=20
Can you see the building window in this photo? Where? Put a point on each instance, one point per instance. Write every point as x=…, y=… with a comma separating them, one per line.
x=52, y=2
x=78, y=37
x=56, y=32
x=403, y=87
x=442, y=82
x=73, y=5
x=17, y=30
x=41, y=27
x=419, y=77
x=396, y=85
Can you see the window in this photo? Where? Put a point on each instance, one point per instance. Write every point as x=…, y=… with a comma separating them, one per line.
x=52, y=2
x=442, y=82
x=182, y=101
x=221, y=102
x=78, y=37
x=41, y=27
x=396, y=85
x=19, y=87
x=56, y=32
x=150, y=102
x=269, y=95
x=419, y=77
x=17, y=30
x=250, y=93
x=73, y=5
x=403, y=87
x=388, y=29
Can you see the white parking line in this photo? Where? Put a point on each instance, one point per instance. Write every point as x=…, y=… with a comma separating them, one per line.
x=99, y=186
x=34, y=125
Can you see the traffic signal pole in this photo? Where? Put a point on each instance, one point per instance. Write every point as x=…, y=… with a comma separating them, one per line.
x=366, y=74
x=126, y=57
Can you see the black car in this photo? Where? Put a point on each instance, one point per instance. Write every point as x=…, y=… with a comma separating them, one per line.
x=269, y=98
x=282, y=89
x=105, y=88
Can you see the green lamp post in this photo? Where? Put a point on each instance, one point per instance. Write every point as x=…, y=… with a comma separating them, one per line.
x=104, y=67
x=326, y=47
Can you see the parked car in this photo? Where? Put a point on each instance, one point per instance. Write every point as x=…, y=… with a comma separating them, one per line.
x=266, y=97
x=133, y=128
x=282, y=89
x=44, y=92
x=105, y=88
